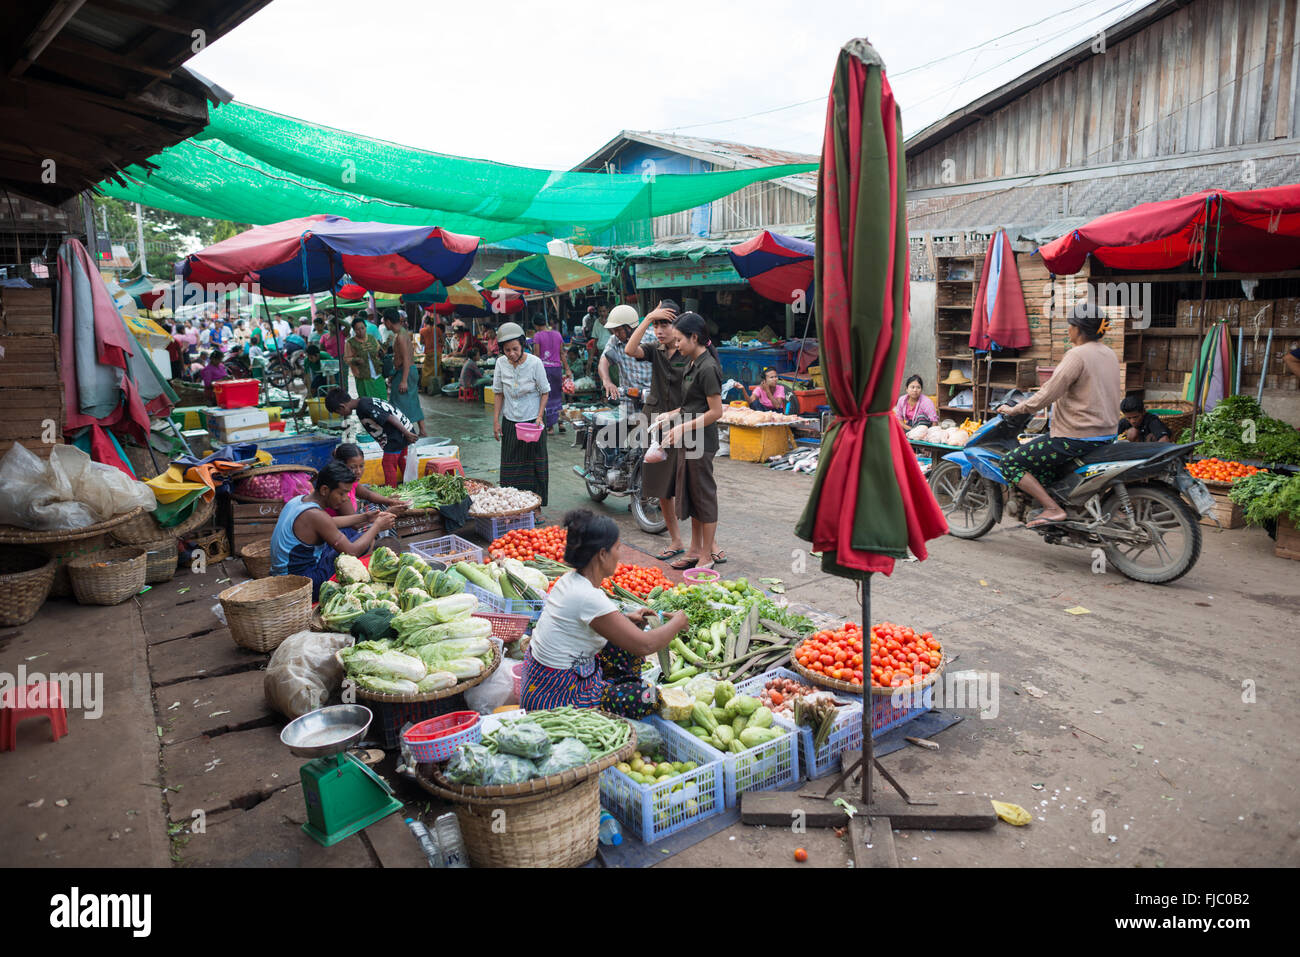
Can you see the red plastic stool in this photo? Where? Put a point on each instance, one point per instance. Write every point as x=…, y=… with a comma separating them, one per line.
x=34, y=701
x=443, y=466
x=468, y=394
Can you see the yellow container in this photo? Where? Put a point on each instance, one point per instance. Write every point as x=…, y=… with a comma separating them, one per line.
x=487, y=395
x=321, y=415
x=759, y=443
x=373, y=473
x=272, y=412
x=816, y=373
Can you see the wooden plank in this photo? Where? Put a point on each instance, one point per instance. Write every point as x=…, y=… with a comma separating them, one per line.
x=1286, y=65
x=1164, y=123
x=1078, y=111
x=1253, y=73
x=1136, y=72
x=1105, y=138
x=1182, y=81
x=1209, y=57
x=1262, y=131
x=872, y=842
x=961, y=812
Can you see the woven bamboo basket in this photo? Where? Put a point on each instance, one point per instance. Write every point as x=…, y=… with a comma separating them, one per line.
x=264, y=612
x=264, y=470
x=108, y=577
x=65, y=544
x=544, y=785
x=551, y=829
x=144, y=528
x=160, y=560
x=536, y=506
x=189, y=393
x=1177, y=421
x=25, y=578
x=257, y=558
x=458, y=688
x=214, y=542
x=850, y=688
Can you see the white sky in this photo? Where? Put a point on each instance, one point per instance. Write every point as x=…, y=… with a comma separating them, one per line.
x=545, y=84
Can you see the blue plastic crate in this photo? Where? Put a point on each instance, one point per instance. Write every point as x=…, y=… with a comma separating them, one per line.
x=509, y=606
x=494, y=528
x=885, y=716
x=768, y=766
x=846, y=732
x=312, y=450
x=653, y=811
x=448, y=550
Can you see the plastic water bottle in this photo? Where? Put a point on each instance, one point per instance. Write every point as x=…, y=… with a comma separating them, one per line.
x=427, y=843
x=450, y=840
x=609, y=831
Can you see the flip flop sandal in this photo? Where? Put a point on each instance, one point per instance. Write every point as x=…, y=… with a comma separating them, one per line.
x=682, y=564
x=670, y=553
x=719, y=558
x=1043, y=523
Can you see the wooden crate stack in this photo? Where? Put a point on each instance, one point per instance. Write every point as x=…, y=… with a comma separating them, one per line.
x=31, y=391
x=957, y=279
x=248, y=523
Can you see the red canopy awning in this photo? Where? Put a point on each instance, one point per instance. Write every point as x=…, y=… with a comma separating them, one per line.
x=1254, y=230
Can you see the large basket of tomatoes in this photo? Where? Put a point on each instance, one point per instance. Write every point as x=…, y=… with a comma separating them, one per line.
x=526, y=544
x=900, y=657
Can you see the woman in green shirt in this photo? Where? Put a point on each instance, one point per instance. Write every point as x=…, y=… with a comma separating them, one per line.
x=365, y=359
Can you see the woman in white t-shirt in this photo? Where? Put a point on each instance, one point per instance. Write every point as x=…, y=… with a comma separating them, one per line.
x=585, y=652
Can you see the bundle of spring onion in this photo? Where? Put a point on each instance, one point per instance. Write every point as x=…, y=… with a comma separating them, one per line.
x=428, y=492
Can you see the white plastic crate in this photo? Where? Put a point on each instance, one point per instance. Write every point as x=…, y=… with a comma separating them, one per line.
x=768, y=766
x=448, y=550
x=846, y=732
x=654, y=811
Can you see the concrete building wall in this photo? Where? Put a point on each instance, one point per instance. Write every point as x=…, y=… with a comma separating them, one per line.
x=921, y=358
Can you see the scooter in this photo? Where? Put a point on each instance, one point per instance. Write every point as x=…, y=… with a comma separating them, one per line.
x=1125, y=498
x=615, y=468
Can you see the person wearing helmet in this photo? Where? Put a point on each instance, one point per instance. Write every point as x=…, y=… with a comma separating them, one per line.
x=520, y=390
x=633, y=373
x=1085, y=389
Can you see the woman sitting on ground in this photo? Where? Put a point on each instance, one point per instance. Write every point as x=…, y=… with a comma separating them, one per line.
x=585, y=652
x=914, y=406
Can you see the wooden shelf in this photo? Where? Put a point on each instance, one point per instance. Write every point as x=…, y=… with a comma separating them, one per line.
x=953, y=332
x=958, y=358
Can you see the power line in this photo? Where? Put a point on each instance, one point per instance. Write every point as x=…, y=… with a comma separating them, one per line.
x=822, y=98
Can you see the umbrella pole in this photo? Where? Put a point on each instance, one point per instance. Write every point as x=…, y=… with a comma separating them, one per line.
x=868, y=746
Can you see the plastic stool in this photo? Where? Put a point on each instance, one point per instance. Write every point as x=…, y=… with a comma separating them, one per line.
x=469, y=394
x=443, y=466
x=34, y=701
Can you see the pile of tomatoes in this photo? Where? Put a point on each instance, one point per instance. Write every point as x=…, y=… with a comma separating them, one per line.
x=528, y=543
x=637, y=579
x=836, y=654
x=1217, y=470
x=899, y=655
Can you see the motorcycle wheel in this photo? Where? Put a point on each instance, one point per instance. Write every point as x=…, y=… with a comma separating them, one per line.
x=277, y=376
x=983, y=501
x=1173, y=529
x=649, y=516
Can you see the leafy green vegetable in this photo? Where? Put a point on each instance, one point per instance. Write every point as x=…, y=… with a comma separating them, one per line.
x=383, y=564
x=349, y=570
x=1266, y=496
x=1225, y=429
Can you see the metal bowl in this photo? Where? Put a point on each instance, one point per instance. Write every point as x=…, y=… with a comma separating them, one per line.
x=326, y=730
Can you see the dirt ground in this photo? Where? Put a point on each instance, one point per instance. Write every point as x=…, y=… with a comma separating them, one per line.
x=1156, y=730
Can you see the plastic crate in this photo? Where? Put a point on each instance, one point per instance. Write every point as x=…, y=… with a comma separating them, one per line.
x=488, y=396
x=653, y=811
x=885, y=715
x=759, y=443
x=532, y=610
x=393, y=716
x=768, y=766
x=846, y=732
x=506, y=627
x=235, y=393
x=810, y=399
x=315, y=451
x=448, y=550
x=492, y=528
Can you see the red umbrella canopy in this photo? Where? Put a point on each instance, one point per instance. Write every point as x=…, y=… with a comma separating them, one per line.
x=869, y=503
x=1254, y=230
x=778, y=267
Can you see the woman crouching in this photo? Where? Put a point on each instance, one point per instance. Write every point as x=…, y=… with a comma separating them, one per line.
x=585, y=652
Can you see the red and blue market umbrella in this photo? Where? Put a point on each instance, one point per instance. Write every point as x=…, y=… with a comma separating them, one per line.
x=779, y=267
x=312, y=254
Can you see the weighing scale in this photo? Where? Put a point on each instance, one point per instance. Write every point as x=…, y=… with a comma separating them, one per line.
x=343, y=795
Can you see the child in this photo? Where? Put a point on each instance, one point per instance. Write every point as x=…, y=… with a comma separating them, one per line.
x=1139, y=425
x=352, y=456
x=388, y=426
x=311, y=370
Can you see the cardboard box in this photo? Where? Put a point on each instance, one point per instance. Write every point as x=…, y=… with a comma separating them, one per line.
x=231, y=420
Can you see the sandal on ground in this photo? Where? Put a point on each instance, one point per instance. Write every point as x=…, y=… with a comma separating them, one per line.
x=719, y=558
x=670, y=553
x=682, y=564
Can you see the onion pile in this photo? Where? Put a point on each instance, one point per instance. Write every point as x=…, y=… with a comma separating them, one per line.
x=494, y=501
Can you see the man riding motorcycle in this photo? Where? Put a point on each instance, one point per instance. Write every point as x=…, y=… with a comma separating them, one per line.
x=1086, y=391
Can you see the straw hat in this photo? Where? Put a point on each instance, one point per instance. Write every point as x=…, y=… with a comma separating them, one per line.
x=956, y=377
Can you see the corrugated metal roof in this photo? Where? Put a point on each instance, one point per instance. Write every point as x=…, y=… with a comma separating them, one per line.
x=722, y=153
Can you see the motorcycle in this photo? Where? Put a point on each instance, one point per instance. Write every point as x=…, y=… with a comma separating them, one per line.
x=282, y=368
x=1126, y=498
x=616, y=468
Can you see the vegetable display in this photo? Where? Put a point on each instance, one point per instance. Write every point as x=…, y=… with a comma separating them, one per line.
x=505, y=578
x=1266, y=496
x=529, y=543
x=652, y=769
x=539, y=744
x=730, y=722
x=429, y=491
x=601, y=735
x=1217, y=470
x=1224, y=435
x=779, y=694
x=495, y=500
x=637, y=579
x=899, y=655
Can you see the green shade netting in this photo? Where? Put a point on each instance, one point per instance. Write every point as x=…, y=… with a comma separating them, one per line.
x=253, y=166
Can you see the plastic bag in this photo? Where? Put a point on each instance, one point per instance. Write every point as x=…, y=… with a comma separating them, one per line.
x=648, y=738
x=303, y=672
x=565, y=753
x=494, y=691
x=470, y=764
x=107, y=490
x=523, y=738
x=511, y=769
x=27, y=498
